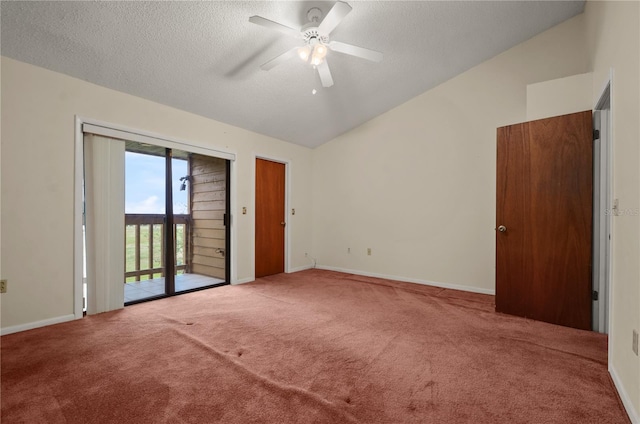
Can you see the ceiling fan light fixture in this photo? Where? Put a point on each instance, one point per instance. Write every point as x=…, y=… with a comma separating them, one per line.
x=319, y=53
x=320, y=50
x=304, y=53
x=316, y=60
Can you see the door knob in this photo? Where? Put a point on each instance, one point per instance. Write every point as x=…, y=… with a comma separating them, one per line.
x=502, y=228
x=283, y=223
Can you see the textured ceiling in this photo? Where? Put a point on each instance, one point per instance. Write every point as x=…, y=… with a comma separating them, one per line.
x=204, y=57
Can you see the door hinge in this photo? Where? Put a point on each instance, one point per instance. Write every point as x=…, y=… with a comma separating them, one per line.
x=594, y=295
x=596, y=134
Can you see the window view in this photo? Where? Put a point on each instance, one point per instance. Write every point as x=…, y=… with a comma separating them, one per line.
x=198, y=249
x=145, y=184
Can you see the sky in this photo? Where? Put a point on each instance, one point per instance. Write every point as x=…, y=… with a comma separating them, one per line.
x=144, y=184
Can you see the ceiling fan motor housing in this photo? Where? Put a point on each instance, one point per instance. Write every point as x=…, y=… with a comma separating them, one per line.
x=309, y=31
x=312, y=36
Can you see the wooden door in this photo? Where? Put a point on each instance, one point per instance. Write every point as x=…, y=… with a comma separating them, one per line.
x=270, y=214
x=543, y=220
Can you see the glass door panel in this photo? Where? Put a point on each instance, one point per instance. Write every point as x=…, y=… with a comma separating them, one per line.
x=202, y=189
x=144, y=222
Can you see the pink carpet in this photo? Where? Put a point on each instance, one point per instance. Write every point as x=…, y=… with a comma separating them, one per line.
x=310, y=347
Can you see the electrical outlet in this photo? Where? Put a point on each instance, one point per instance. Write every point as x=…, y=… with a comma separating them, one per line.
x=369, y=251
x=3, y=286
x=634, y=343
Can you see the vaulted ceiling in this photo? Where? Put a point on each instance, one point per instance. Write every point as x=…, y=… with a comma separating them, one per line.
x=205, y=57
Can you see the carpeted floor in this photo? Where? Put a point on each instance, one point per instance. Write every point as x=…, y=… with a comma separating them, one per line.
x=310, y=347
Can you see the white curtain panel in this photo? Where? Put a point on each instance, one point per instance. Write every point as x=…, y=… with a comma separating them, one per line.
x=104, y=177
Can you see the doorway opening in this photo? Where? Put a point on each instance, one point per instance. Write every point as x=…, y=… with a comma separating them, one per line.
x=602, y=211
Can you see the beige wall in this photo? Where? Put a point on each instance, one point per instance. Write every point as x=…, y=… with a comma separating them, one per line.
x=613, y=40
x=559, y=96
x=38, y=108
x=417, y=184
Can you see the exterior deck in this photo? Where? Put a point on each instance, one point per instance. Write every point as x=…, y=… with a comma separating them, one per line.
x=143, y=289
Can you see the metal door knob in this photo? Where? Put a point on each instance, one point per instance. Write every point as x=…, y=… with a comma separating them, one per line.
x=502, y=228
x=283, y=223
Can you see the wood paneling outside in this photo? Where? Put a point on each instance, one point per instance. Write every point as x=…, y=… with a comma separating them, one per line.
x=208, y=205
x=544, y=199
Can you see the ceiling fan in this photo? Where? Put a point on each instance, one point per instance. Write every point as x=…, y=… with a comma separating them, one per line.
x=315, y=36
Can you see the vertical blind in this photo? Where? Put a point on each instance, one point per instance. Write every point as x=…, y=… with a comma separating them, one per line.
x=104, y=220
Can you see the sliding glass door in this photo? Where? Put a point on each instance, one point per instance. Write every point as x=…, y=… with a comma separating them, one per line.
x=154, y=218
x=176, y=237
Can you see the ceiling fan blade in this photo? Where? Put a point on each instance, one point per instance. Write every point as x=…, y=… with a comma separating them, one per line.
x=259, y=20
x=279, y=59
x=352, y=50
x=325, y=74
x=334, y=17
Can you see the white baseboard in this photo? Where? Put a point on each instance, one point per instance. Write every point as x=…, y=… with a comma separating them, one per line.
x=243, y=280
x=36, y=324
x=300, y=268
x=624, y=396
x=250, y=279
x=410, y=280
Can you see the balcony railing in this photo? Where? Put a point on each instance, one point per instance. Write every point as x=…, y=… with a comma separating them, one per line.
x=144, y=245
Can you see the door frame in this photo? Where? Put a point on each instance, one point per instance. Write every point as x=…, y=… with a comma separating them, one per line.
x=287, y=192
x=602, y=214
x=142, y=136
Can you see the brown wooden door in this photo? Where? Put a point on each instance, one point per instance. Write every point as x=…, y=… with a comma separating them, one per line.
x=544, y=203
x=270, y=214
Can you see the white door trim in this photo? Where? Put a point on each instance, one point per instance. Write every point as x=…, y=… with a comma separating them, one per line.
x=604, y=280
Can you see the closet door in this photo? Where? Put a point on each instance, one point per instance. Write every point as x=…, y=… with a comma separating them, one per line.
x=544, y=219
x=270, y=217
